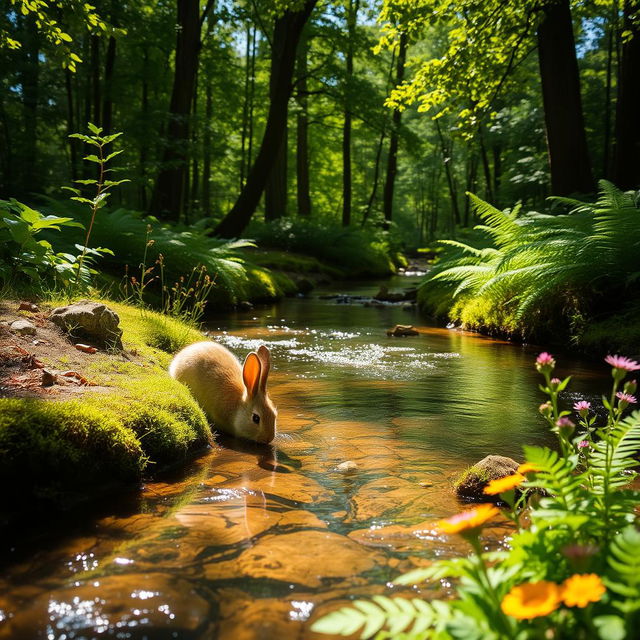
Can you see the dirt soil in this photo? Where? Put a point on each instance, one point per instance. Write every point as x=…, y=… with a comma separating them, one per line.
x=47, y=364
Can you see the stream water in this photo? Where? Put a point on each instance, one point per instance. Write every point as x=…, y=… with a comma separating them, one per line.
x=255, y=542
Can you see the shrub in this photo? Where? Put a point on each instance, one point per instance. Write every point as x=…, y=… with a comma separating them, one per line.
x=572, y=572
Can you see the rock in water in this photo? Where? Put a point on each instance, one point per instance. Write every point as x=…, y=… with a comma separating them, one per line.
x=347, y=467
x=92, y=320
x=472, y=482
x=23, y=328
x=401, y=330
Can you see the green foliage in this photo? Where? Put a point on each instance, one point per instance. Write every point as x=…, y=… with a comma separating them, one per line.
x=23, y=254
x=357, y=252
x=577, y=549
x=543, y=270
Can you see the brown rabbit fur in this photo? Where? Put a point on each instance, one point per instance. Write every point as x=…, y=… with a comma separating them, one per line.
x=234, y=398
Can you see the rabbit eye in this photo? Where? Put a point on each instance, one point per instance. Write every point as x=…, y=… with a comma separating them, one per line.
x=256, y=418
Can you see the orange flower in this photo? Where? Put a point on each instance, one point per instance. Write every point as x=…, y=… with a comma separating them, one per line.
x=581, y=589
x=504, y=484
x=527, y=467
x=532, y=600
x=468, y=520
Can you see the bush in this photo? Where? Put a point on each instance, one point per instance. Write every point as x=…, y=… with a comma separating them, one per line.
x=573, y=566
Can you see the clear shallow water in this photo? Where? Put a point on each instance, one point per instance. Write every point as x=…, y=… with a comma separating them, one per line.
x=254, y=542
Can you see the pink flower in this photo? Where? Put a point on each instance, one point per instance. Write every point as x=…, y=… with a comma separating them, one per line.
x=564, y=422
x=583, y=444
x=622, y=363
x=626, y=398
x=545, y=359
x=583, y=405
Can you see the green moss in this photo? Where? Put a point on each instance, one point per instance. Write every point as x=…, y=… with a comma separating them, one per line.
x=60, y=451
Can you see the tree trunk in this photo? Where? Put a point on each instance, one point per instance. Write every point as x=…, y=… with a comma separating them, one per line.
x=352, y=16
x=302, y=130
x=30, y=79
x=566, y=139
x=245, y=104
x=626, y=151
x=144, y=149
x=288, y=29
x=488, y=194
x=206, y=161
x=171, y=185
x=447, y=159
x=71, y=126
x=392, y=158
x=107, y=102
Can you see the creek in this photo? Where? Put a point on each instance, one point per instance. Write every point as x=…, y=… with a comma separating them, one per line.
x=254, y=542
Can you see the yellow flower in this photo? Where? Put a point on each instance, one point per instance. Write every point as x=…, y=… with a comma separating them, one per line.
x=527, y=467
x=581, y=589
x=532, y=600
x=468, y=520
x=504, y=484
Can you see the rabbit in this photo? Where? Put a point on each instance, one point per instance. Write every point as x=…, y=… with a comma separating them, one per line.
x=234, y=398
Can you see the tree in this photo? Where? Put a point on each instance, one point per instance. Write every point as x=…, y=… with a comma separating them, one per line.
x=288, y=29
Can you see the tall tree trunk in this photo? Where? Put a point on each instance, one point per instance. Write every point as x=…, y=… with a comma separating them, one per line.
x=352, y=17
x=566, y=139
x=252, y=94
x=30, y=79
x=95, y=80
x=497, y=174
x=626, y=151
x=171, y=184
x=302, y=129
x=107, y=101
x=288, y=29
x=71, y=126
x=206, y=162
x=447, y=159
x=485, y=167
x=392, y=158
x=611, y=37
x=245, y=104
x=145, y=115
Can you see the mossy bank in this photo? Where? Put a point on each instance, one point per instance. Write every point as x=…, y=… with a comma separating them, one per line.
x=127, y=419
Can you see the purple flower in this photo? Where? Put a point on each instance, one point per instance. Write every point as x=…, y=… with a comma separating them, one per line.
x=622, y=363
x=583, y=444
x=626, y=398
x=583, y=405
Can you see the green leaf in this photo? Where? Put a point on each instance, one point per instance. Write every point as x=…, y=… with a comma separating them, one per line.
x=87, y=181
x=113, y=155
x=93, y=158
x=610, y=627
x=94, y=129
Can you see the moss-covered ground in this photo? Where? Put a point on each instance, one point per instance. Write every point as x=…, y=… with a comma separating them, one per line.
x=63, y=443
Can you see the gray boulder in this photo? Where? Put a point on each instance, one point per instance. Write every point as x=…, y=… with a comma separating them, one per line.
x=23, y=327
x=473, y=480
x=92, y=320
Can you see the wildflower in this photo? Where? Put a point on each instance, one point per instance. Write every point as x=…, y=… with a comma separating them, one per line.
x=583, y=444
x=545, y=362
x=545, y=409
x=581, y=589
x=554, y=383
x=621, y=363
x=582, y=408
x=532, y=600
x=468, y=520
x=504, y=484
x=528, y=467
x=625, y=399
x=565, y=424
x=630, y=386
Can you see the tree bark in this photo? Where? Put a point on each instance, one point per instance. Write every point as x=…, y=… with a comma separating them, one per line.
x=71, y=126
x=206, y=161
x=626, y=151
x=107, y=101
x=392, y=158
x=352, y=16
x=302, y=130
x=30, y=79
x=171, y=185
x=566, y=139
x=447, y=159
x=289, y=28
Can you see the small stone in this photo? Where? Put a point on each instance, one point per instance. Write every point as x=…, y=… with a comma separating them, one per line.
x=426, y=484
x=23, y=328
x=48, y=378
x=85, y=347
x=402, y=330
x=28, y=306
x=347, y=467
x=92, y=320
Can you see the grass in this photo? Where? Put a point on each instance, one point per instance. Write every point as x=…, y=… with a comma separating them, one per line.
x=58, y=452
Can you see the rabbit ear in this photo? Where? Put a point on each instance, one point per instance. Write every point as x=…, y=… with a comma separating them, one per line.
x=251, y=373
x=265, y=359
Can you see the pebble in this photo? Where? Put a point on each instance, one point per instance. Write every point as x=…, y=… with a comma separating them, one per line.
x=347, y=466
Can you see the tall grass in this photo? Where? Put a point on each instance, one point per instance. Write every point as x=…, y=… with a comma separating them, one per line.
x=542, y=271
